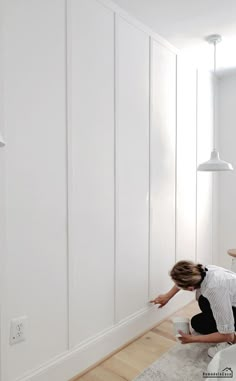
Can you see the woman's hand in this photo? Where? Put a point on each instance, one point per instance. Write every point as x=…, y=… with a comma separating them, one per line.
x=161, y=299
x=186, y=339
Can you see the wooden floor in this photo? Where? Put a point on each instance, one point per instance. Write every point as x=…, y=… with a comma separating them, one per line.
x=126, y=364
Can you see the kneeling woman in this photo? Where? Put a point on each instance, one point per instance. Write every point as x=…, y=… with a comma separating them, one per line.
x=216, y=294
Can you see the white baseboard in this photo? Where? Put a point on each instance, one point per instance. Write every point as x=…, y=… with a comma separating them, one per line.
x=80, y=358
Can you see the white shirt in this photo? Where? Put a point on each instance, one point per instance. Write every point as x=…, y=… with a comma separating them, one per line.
x=219, y=287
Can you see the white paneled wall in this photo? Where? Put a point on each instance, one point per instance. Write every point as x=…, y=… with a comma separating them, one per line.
x=227, y=180
x=2, y=192
x=100, y=201
x=186, y=161
x=162, y=162
x=204, y=179
x=132, y=168
x=91, y=187
x=34, y=105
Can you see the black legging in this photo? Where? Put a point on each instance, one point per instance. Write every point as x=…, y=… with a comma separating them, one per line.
x=204, y=322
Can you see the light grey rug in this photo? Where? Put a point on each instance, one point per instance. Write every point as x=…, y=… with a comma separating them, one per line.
x=183, y=362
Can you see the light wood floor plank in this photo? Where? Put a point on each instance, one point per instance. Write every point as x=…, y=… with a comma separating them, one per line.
x=165, y=329
x=126, y=364
x=101, y=374
x=145, y=350
x=121, y=367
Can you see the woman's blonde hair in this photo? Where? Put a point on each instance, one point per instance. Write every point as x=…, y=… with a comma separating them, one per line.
x=187, y=273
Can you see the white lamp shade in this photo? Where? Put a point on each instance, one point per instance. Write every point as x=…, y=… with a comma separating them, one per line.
x=215, y=164
x=2, y=143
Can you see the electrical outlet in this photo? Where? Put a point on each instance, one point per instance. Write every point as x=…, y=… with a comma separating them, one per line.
x=18, y=329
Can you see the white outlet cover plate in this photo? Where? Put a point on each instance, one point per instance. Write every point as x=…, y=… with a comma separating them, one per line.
x=18, y=329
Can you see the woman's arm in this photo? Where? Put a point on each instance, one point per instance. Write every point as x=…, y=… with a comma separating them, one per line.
x=164, y=299
x=215, y=337
x=173, y=291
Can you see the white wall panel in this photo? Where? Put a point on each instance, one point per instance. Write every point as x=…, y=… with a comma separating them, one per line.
x=36, y=273
x=91, y=73
x=132, y=170
x=163, y=141
x=227, y=180
x=186, y=161
x=2, y=194
x=204, y=179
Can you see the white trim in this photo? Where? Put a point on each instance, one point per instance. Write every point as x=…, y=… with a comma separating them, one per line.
x=69, y=171
x=116, y=200
x=130, y=19
x=71, y=363
x=196, y=203
x=149, y=174
x=176, y=152
x=115, y=122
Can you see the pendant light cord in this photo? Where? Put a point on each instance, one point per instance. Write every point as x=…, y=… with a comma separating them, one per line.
x=215, y=163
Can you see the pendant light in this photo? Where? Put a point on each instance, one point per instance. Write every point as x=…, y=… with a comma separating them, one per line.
x=215, y=163
x=2, y=143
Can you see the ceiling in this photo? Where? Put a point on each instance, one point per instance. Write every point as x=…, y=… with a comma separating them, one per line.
x=186, y=23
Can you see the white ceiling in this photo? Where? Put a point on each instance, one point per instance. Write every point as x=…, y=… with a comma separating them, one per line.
x=186, y=23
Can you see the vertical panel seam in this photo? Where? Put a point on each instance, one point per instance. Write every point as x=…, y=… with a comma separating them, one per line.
x=176, y=132
x=149, y=174
x=196, y=201
x=212, y=214
x=67, y=170
x=115, y=164
x=213, y=87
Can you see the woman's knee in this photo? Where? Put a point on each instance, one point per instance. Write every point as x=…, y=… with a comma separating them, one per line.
x=203, y=323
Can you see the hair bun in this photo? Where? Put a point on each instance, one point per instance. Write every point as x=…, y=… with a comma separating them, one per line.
x=202, y=270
